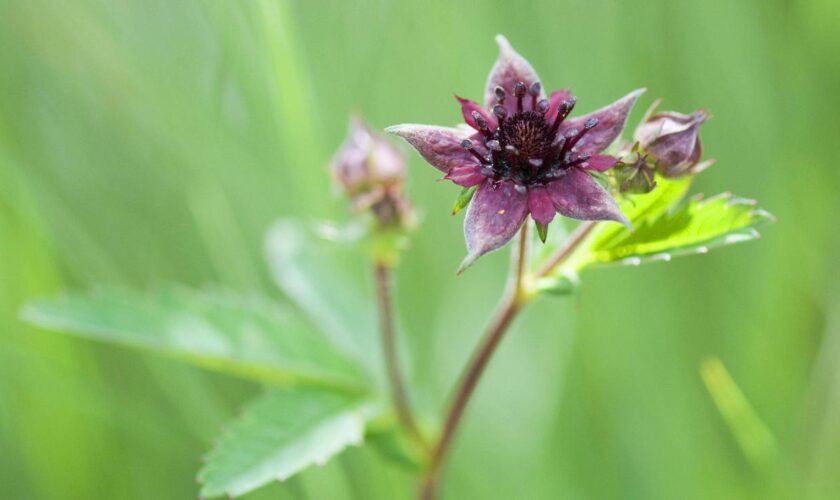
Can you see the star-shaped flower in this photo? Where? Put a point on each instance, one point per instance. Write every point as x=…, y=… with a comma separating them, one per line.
x=524, y=155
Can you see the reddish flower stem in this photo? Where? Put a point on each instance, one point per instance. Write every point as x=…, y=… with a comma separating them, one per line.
x=509, y=307
x=382, y=275
x=514, y=300
x=579, y=234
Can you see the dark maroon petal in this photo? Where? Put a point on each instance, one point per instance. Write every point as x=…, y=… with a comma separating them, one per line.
x=673, y=140
x=675, y=149
x=468, y=107
x=440, y=146
x=666, y=123
x=495, y=215
x=540, y=205
x=510, y=69
x=611, y=120
x=557, y=97
x=466, y=176
x=579, y=196
x=600, y=163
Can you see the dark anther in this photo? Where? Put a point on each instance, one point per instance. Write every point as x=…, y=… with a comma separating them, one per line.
x=494, y=145
x=500, y=113
x=500, y=94
x=535, y=162
x=589, y=125
x=468, y=145
x=542, y=106
x=519, y=91
x=479, y=120
x=512, y=149
x=584, y=157
x=566, y=107
x=535, y=93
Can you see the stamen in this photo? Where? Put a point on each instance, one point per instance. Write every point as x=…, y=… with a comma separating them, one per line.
x=468, y=145
x=479, y=120
x=535, y=162
x=495, y=148
x=500, y=113
x=482, y=124
x=535, y=93
x=512, y=149
x=584, y=157
x=542, y=106
x=519, y=91
x=500, y=94
x=568, y=143
x=566, y=107
x=589, y=125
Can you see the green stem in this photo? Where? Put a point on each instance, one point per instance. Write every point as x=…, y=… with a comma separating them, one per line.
x=382, y=275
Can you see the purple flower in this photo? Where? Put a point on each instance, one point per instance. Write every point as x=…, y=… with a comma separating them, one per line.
x=673, y=140
x=524, y=155
x=371, y=172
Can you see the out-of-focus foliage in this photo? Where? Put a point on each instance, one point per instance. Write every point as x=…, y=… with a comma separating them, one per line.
x=243, y=336
x=281, y=433
x=144, y=142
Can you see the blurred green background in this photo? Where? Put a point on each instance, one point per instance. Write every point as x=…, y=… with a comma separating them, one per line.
x=155, y=141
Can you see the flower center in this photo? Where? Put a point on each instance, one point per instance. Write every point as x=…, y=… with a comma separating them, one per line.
x=528, y=134
x=526, y=147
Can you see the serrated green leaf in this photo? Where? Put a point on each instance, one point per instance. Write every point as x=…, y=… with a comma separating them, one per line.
x=695, y=227
x=330, y=280
x=640, y=209
x=280, y=434
x=247, y=336
x=463, y=199
x=662, y=228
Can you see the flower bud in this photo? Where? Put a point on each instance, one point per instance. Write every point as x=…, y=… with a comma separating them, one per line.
x=371, y=171
x=672, y=140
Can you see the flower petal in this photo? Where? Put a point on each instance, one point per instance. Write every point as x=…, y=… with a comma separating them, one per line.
x=495, y=215
x=557, y=97
x=540, y=205
x=510, y=69
x=466, y=175
x=611, y=120
x=673, y=139
x=600, y=163
x=579, y=196
x=468, y=107
x=440, y=146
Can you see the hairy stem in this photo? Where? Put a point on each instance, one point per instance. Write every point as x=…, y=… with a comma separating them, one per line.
x=509, y=307
x=382, y=274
